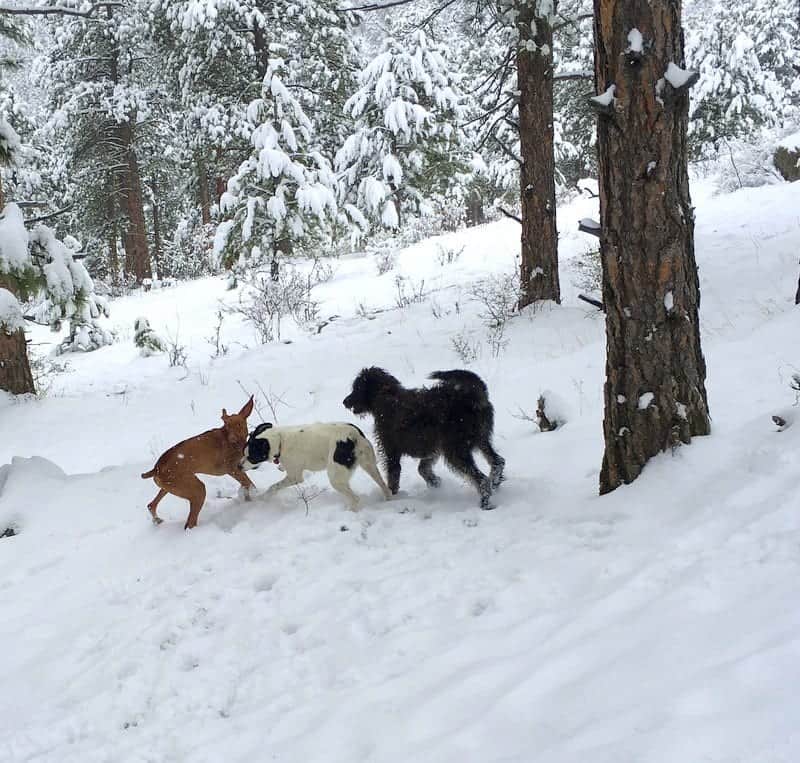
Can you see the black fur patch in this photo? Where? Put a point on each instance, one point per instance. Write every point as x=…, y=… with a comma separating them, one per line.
x=258, y=447
x=345, y=453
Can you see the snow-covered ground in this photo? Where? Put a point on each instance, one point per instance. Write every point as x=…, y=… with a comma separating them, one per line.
x=657, y=624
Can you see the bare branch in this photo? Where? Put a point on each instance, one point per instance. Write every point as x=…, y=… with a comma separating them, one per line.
x=596, y=302
x=510, y=214
x=587, y=225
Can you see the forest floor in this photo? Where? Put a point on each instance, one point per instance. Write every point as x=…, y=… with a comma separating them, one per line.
x=657, y=624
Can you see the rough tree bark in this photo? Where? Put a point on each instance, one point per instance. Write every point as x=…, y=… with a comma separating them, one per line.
x=15, y=369
x=156, y=225
x=539, y=265
x=202, y=190
x=655, y=394
x=111, y=219
x=134, y=239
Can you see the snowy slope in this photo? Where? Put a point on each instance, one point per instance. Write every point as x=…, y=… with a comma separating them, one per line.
x=659, y=623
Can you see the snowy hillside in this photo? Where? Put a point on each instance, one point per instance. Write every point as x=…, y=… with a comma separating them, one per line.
x=657, y=624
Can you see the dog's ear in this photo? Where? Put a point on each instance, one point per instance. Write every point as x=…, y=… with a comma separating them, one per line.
x=247, y=408
x=261, y=428
x=224, y=415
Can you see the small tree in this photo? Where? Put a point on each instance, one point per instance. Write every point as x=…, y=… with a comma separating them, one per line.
x=405, y=146
x=285, y=191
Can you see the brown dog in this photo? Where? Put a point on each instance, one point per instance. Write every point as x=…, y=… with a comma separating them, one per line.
x=215, y=452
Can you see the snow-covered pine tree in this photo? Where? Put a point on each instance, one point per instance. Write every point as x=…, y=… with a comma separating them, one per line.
x=406, y=145
x=146, y=339
x=39, y=268
x=219, y=53
x=100, y=96
x=285, y=191
x=748, y=60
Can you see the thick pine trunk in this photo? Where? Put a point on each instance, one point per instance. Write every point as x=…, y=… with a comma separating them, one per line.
x=539, y=265
x=655, y=395
x=15, y=369
x=137, y=255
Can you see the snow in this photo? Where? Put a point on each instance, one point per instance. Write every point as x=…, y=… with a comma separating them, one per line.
x=656, y=624
x=676, y=76
x=635, y=41
x=645, y=400
x=791, y=142
x=9, y=140
x=605, y=98
x=669, y=301
x=10, y=312
x=14, y=255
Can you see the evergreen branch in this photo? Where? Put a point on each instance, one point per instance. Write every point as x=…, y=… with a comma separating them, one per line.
x=59, y=10
x=374, y=6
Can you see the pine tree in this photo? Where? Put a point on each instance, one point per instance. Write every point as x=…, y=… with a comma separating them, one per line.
x=406, y=146
x=285, y=191
x=748, y=60
x=101, y=99
x=655, y=396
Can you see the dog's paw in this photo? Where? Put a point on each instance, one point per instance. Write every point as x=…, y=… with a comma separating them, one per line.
x=243, y=494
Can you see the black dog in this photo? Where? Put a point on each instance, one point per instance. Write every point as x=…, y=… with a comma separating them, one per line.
x=451, y=420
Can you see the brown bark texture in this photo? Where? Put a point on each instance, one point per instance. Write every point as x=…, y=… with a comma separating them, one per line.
x=655, y=396
x=202, y=191
x=134, y=239
x=15, y=369
x=539, y=263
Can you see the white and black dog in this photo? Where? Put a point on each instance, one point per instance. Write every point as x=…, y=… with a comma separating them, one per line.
x=335, y=448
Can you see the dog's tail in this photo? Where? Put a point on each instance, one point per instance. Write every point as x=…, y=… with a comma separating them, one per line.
x=149, y=474
x=467, y=380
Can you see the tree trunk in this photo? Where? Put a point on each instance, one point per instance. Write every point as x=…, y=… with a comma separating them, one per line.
x=539, y=266
x=797, y=294
x=156, y=227
x=202, y=190
x=474, y=212
x=111, y=218
x=15, y=368
x=137, y=255
x=655, y=396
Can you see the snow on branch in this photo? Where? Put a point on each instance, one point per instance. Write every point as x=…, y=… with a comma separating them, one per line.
x=680, y=79
x=590, y=226
x=565, y=76
x=604, y=102
x=373, y=6
x=51, y=10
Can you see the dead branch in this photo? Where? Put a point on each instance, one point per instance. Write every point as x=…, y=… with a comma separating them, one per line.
x=504, y=211
x=596, y=302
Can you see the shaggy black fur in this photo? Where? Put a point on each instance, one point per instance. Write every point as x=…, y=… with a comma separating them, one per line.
x=450, y=420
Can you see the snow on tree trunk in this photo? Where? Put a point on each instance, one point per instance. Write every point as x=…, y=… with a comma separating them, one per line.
x=655, y=395
x=539, y=264
x=15, y=369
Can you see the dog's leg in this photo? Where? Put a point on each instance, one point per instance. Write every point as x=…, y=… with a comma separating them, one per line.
x=464, y=463
x=425, y=470
x=241, y=477
x=153, y=505
x=339, y=477
x=195, y=493
x=289, y=480
x=371, y=468
x=496, y=461
x=393, y=472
